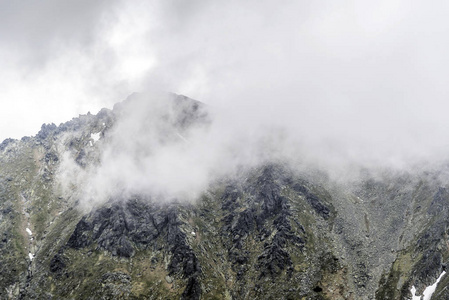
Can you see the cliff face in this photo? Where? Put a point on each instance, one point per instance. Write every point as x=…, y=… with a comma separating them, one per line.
x=267, y=232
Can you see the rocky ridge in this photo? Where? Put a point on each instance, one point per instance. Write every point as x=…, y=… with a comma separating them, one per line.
x=269, y=232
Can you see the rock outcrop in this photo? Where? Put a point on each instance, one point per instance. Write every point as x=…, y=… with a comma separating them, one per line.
x=269, y=232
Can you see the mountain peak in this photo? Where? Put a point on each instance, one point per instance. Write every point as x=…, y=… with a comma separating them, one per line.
x=132, y=203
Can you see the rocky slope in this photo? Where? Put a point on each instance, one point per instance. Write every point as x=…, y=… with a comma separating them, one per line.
x=268, y=232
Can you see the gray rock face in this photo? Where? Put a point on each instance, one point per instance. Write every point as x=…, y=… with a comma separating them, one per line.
x=127, y=226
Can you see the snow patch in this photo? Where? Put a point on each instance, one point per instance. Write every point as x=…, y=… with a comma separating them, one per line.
x=31, y=256
x=193, y=233
x=29, y=231
x=414, y=296
x=95, y=136
x=428, y=292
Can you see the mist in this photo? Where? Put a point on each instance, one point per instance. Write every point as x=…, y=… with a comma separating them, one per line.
x=339, y=86
x=168, y=147
x=162, y=146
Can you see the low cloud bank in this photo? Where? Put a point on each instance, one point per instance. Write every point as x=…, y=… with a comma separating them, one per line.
x=171, y=147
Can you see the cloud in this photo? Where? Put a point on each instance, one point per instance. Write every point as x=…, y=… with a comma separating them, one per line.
x=61, y=59
x=162, y=146
x=353, y=82
x=158, y=146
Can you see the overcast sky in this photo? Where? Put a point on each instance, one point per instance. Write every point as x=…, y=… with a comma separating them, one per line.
x=363, y=73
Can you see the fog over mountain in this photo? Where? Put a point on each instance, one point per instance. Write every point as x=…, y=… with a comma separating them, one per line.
x=224, y=150
x=356, y=82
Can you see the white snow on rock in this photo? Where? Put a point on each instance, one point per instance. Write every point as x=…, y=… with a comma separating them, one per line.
x=414, y=296
x=29, y=231
x=193, y=233
x=95, y=136
x=31, y=256
x=428, y=292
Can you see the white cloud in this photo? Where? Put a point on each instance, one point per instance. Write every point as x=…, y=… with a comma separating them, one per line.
x=362, y=80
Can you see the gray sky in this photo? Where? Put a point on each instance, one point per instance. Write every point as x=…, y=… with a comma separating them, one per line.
x=351, y=76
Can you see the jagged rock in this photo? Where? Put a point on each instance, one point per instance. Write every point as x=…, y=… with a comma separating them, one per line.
x=51, y=157
x=267, y=233
x=81, y=236
x=125, y=226
x=57, y=263
x=5, y=143
x=313, y=200
x=46, y=130
x=274, y=258
x=193, y=290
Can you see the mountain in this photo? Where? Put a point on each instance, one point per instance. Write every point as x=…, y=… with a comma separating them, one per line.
x=80, y=218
